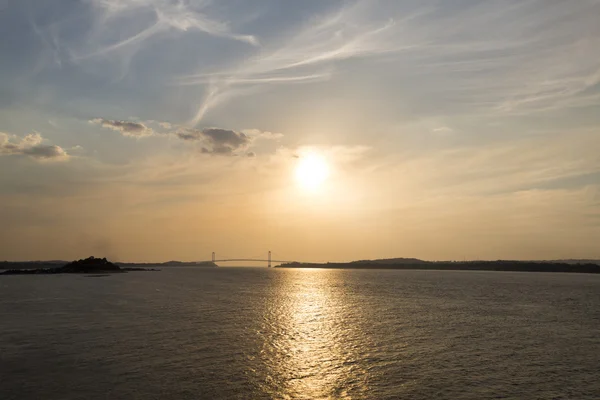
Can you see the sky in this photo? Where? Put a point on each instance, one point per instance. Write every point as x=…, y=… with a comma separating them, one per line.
x=153, y=130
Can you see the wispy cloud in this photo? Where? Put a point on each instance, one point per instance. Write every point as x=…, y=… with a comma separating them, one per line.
x=309, y=54
x=514, y=57
x=500, y=167
x=31, y=145
x=164, y=15
x=258, y=134
x=510, y=57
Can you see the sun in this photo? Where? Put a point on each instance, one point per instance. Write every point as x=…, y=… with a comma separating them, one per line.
x=312, y=171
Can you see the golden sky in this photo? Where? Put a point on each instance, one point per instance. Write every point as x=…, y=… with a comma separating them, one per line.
x=152, y=130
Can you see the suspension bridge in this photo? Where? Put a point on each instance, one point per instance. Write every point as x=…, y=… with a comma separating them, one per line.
x=259, y=258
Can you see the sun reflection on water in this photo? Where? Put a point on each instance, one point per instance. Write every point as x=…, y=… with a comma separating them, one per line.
x=312, y=349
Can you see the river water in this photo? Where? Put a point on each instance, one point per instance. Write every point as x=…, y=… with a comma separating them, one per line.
x=257, y=333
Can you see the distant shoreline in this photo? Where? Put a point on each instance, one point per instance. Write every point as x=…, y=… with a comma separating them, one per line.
x=25, y=265
x=563, y=266
x=499, y=265
x=90, y=265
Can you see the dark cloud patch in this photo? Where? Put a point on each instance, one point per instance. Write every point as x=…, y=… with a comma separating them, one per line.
x=216, y=140
x=127, y=128
x=31, y=145
x=189, y=135
x=45, y=152
x=226, y=138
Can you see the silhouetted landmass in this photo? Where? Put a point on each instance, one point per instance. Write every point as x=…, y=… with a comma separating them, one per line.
x=576, y=261
x=83, y=266
x=90, y=264
x=499, y=265
x=53, y=264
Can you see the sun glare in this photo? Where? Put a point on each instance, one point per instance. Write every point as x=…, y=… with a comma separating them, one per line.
x=312, y=170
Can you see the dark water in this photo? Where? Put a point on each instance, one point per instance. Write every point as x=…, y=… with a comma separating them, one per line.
x=235, y=333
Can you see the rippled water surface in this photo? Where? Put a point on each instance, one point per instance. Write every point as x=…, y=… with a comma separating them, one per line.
x=252, y=333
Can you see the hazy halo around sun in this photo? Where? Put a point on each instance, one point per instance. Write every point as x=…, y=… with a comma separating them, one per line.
x=312, y=171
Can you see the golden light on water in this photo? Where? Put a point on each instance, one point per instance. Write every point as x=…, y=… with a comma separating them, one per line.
x=311, y=355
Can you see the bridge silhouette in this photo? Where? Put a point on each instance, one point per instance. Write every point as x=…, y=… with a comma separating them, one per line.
x=268, y=260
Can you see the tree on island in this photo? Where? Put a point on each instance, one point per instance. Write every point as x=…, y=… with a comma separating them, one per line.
x=90, y=264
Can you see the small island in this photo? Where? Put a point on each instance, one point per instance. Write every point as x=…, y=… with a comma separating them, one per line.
x=90, y=265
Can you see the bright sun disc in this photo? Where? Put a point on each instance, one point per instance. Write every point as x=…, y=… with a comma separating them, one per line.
x=312, y=171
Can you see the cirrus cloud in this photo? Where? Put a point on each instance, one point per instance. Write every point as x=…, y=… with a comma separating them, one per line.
x=166, y=15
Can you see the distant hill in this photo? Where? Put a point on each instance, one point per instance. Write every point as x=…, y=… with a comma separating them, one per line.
x=31, y=264
x=391, y=261
x=575, y=261
x=499, y=265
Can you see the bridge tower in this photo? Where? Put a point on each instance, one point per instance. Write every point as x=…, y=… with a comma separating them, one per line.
x=214, y=257
x=269, y=259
